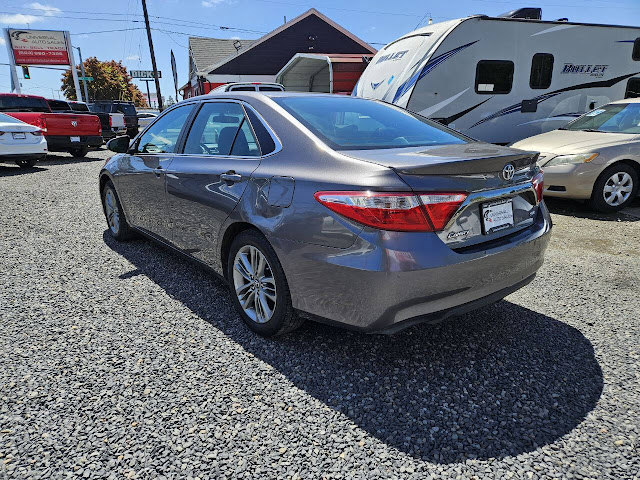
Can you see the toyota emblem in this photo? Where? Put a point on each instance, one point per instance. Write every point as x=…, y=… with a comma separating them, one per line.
x=75, y=124
x=508, y=171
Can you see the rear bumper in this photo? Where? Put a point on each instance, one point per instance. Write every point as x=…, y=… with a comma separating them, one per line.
x=63, y=143
x=389, y=280
x=112, y=133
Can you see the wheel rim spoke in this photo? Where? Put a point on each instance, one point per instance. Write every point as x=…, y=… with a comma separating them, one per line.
x=254, y=284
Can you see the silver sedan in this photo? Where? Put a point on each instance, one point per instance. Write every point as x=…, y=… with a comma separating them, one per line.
x=341, y=209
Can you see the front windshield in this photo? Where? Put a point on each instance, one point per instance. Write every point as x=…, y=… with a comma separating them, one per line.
x=612, y=118
x=348, y=123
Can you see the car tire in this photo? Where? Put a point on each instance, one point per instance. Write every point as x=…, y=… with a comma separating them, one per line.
x=79, y=152
x=116, y=220
x=615, y=188
x=30, y=163
x=260, y=297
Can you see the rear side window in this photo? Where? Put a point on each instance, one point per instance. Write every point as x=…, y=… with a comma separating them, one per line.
x=494, y=76
x=541, y=70
x=220, y=128
x=242, y=89
x=59, y=106
x=269, y=89
x=162, y=136
x=79, y=107
x=633, y=88
x=267, y=145
x=635, y=55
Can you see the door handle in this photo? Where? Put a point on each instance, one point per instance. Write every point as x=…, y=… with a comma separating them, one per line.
x=158, y=170
x=231, y=177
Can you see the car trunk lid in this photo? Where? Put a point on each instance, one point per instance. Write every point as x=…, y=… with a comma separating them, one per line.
x=476, y=169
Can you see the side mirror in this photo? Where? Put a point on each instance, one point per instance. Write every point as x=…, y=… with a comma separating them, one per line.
x=119, y=144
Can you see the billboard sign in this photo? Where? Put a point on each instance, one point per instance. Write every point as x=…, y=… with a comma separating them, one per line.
x=144, y=74
x=39, y=47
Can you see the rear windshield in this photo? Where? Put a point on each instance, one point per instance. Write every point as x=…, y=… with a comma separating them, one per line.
x=349, y=123
x=23, y=104
x=59, y=105
x=9, y=119
x=612, y=118
x=127, y=108
x=79, y=107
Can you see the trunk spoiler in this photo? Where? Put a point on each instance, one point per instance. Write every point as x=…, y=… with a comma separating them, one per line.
x=472, y=165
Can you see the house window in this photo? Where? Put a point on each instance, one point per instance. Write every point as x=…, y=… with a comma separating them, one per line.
x=541, y=70
x=494, y=76
x=635, y=55
x=633, y=88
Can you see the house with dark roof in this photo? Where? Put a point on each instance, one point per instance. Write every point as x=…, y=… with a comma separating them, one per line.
x=215, y=61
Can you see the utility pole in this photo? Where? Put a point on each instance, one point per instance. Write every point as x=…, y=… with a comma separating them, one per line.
x=86, y=92
x=153, y=55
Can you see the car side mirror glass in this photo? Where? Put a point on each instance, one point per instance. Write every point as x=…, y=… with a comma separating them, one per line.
x=119, y=144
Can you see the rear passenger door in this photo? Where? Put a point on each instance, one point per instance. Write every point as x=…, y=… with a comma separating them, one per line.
x=206, y=180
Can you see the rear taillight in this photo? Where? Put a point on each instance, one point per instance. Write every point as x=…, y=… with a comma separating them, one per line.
x=538, y=185
x=399, y=211
x=441, y=207
x=110, y=121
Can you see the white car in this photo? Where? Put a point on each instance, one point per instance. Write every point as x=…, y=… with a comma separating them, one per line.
x=249, y=87
x=145, y=118
x=20, y=142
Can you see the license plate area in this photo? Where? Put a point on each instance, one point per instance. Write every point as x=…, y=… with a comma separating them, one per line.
x=74, y=139
x=497, y=216
x=19, y=135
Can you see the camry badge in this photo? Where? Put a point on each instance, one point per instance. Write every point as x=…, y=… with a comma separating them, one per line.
x=508, y=171
x=74, y=123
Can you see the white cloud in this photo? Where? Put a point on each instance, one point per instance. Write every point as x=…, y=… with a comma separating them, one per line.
x=47, y=10
x=133, y=57
x=19, y=19
x=211, y=3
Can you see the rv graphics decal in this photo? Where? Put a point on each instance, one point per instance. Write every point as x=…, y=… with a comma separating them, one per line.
x=428, y=67
x=541, y=98
x=591, y=70
x=392, y=56
x=376, y=85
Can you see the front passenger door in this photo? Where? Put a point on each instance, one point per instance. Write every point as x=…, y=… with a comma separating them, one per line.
x=142, y=186
x=205, y=181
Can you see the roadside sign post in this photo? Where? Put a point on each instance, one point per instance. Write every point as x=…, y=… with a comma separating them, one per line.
x=84, y=77
x=72, y=64
x=15, y=82
x=146, y=76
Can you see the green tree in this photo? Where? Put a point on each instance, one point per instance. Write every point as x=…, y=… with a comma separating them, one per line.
x=111, y=81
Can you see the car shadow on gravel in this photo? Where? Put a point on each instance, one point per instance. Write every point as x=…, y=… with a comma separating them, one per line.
x=12, y=171
x=494, y=383
x=61, y=159
x=575, y=208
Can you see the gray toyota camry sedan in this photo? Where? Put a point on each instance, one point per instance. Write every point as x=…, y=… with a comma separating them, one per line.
x=340, y=209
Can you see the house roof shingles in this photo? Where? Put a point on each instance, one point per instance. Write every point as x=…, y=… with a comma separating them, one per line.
x=206, y=52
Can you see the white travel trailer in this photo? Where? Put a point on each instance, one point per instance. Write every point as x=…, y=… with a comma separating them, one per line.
x=501, y=79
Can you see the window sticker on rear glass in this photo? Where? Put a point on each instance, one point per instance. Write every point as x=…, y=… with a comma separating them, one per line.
x=595, y=112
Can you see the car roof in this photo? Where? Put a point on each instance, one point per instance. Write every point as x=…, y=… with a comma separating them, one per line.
x=238, y=94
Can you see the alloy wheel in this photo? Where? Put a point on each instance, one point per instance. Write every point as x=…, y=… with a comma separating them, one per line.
x=111, y=209
x=254, y=284
x=618, y=188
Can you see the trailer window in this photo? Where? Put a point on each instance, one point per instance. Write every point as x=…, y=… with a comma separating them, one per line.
x=541, y=70
x=635, y=55
x=494, y=76
x=633, y=88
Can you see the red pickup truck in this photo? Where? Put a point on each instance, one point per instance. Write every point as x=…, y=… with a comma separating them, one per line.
x=64, y=132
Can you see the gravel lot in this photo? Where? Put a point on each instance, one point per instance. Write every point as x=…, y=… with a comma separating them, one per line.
x=125, y=361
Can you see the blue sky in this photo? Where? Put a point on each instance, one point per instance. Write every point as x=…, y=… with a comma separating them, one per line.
x=375, y=22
